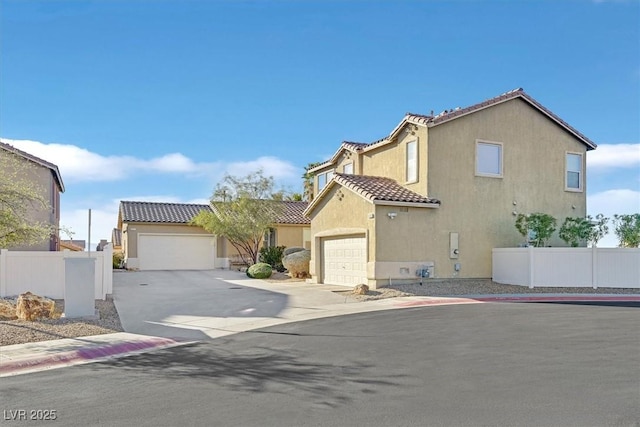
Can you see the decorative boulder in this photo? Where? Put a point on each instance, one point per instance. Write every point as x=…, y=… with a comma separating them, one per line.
x=7, y=310
x=260, y=271
x=291, y=251
x=298, y=263
x=361, y=289
x=34, y=307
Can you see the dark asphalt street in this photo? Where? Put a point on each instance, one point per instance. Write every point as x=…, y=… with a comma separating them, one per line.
x=502, y=364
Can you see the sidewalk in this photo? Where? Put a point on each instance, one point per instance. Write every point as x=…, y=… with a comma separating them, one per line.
x=306, y=302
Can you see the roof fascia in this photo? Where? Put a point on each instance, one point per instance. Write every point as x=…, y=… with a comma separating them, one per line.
x=407, y=119
x=410, y=204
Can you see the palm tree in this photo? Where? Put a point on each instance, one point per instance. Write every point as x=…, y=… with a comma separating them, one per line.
x=308, y=181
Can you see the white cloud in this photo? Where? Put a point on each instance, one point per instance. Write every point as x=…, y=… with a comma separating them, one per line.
x=608, y=156
x=271, y=166
x=610, y=202
x=79, y=164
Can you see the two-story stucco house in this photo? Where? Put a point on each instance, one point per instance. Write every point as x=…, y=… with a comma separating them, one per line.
x=440, y=191
x=46, y=177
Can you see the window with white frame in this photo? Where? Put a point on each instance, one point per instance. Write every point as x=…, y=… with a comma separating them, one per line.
x=324, y=178
x=412, y=161
x=348, y=168
x=573, y=175
x=489, y=159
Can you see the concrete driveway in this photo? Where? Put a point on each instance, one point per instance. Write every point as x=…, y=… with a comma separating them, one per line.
x=181, y=304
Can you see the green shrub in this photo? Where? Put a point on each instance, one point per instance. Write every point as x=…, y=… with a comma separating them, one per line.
x=537, y=227
x=273, y=256
x=627, y=229
x=118, y=260
x=260, y=270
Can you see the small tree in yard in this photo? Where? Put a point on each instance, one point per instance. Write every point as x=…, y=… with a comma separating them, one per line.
x=575, y=230
x=599, y=228
x=537, y=227
x=242, y=212
x=18, y=198
x=627, y=229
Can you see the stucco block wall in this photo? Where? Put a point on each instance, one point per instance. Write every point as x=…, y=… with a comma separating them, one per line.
x=481, y=209
x=290, y=235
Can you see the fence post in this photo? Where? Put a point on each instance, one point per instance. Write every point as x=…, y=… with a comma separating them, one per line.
x=107, y=270
x=594, y=267
x=3, y=272
x=531, y=267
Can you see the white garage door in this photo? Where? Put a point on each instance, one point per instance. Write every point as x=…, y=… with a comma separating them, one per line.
x=176, y=252
x=344, y=261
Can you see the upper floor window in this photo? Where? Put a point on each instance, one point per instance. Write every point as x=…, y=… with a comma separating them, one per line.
x=324, y=178
x=573, y=175
x=348, y=168
x=412, y=161
x=489, y=159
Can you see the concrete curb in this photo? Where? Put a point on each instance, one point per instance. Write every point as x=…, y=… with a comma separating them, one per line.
x=478, y=299
x=22, y=364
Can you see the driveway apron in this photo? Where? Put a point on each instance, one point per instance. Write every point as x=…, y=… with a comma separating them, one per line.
x=171, y=304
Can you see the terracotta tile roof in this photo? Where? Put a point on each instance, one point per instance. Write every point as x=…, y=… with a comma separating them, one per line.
x=54, y=169
x=292, y=213
x=182, y=213
x=174, y=213
x=378, y=188
x=347, y=145
x=116, y=237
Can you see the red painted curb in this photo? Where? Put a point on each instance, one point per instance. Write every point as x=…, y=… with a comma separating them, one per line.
x=84, y=355
x=568, y=298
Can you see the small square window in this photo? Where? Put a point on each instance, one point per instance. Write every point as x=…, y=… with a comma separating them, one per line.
x=489, y=159
x=348, y=168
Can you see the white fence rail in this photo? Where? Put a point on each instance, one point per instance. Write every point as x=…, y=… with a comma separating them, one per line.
x=43, y=273
x=567, y=267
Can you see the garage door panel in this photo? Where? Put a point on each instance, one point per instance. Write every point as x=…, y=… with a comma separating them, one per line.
x=176, y=252
x=344, y=261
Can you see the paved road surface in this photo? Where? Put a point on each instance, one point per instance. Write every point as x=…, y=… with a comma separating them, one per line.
x=487, y=364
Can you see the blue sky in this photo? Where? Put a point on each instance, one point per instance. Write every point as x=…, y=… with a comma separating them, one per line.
x=156, y=100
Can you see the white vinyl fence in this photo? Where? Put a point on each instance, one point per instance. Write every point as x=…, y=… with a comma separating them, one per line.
x=43, y=273
x=568, y=267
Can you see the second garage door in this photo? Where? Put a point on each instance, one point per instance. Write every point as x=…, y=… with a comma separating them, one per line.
x=176, y=252
x=344, y=261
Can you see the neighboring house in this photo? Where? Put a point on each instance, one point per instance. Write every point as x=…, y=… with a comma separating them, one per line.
x=116, y=240
x=73, y=245
x=436, y=195
x=46, y=176
x=158, y=236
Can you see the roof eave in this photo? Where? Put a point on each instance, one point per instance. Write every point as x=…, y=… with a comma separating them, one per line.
x=408, y=204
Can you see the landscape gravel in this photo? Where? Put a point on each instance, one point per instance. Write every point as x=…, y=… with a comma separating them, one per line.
x=108, y=320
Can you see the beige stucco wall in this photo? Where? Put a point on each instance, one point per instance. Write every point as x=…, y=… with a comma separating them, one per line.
x=340, y=216
x=290, y=235
x=389, y=160
x=481, y=209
